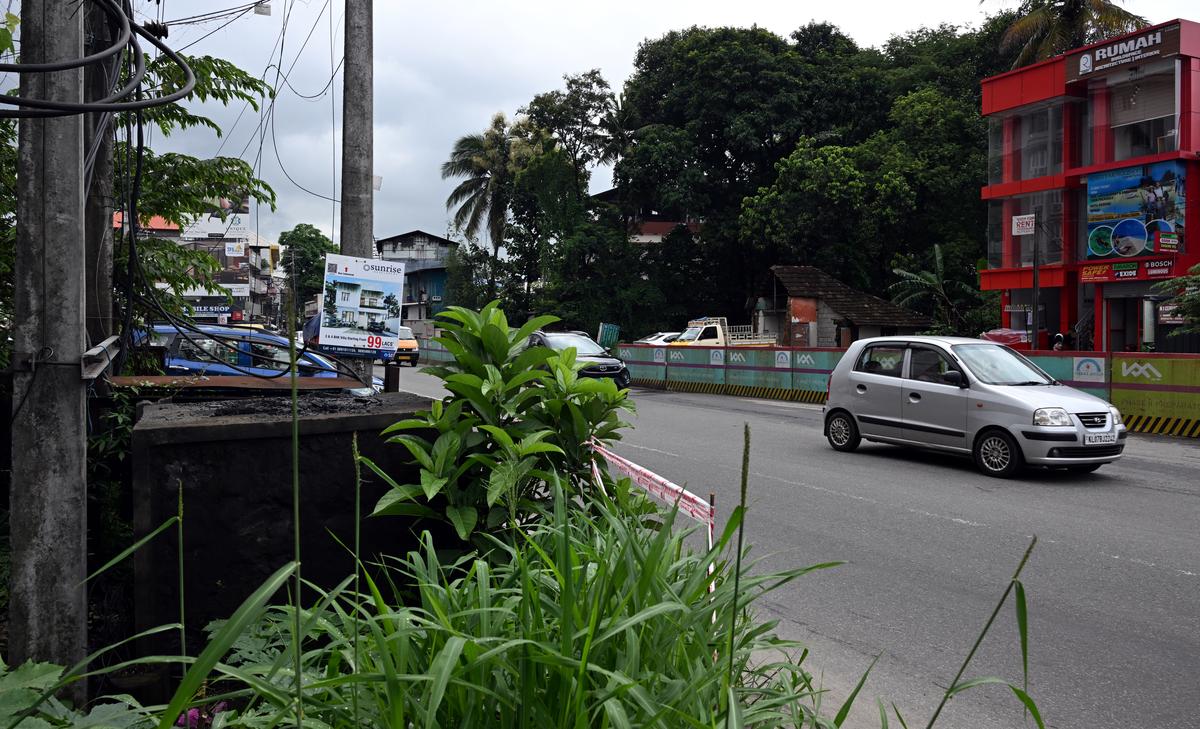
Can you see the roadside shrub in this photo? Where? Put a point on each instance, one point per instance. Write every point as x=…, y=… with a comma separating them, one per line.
x=514, y=415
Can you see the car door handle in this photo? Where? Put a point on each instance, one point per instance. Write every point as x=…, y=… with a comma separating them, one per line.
x=861, y=388
x=914, y=397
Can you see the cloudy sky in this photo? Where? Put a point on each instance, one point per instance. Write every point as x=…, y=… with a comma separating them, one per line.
x=443, y=69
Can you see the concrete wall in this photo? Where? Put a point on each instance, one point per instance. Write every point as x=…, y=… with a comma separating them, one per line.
x=232, y=460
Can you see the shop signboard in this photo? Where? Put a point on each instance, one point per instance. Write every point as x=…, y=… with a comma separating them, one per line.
x=1158, y=269
x=1150, y=45
x=1108, y=272
x=225, y=217
x=1024, y=224
x=361, y=306
x=1170, y=314
x=1136, y=211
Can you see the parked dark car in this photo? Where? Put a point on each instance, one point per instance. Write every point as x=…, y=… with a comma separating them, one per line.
x=599, y=363
x=377, y=326
x=257, y=352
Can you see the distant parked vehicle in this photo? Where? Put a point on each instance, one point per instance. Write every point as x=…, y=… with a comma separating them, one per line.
x=716, y=332
x=407, y=348
x=377, y=327
x=218, y=350
x=659, y=338
x=598, y=362
x=971, y=397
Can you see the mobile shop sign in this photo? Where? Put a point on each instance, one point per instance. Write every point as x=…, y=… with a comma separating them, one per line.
x=1155, y=44
x=360, y=309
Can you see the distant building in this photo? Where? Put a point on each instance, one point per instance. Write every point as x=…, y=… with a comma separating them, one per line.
x=1100, y=145
x=807, y=307
x=424, y=256
x=651, y=225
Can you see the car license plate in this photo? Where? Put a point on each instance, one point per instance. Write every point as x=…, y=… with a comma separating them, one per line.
x=1099, y=438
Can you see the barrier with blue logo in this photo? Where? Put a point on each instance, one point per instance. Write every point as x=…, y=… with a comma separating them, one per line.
x=647, y=363
x=758, y=372
x=696, y=369
x=1087, y=371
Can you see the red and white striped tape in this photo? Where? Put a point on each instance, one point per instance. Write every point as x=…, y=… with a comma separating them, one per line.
x=672, y=493
x=691, y=504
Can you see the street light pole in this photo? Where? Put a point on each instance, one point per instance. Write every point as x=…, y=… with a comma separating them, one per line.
x=1037, y=290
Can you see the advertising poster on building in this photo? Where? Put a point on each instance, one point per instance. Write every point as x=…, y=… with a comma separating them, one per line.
x=1136, y=211
x=360, y=309
x=225, y=217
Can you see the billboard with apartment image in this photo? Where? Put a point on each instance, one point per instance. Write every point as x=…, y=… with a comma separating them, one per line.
x=361, y=305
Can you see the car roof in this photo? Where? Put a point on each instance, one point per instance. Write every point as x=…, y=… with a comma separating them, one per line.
x=924, y=339
x=223, y=331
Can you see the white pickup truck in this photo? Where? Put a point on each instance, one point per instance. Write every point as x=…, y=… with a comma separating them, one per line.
x=716, y=332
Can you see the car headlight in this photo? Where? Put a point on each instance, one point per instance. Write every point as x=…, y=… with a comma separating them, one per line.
x=1117, y=420
x=1051, y=416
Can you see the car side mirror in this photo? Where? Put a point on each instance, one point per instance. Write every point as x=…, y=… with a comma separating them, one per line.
x=954, y=377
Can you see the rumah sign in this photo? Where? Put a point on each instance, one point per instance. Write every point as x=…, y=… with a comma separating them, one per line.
x=1152, y=44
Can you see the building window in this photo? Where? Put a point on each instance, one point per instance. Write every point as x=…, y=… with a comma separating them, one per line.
x=1008, y=251
x=995, y=160
x=1142, y=109
x=345, y=296
x=1040, y=136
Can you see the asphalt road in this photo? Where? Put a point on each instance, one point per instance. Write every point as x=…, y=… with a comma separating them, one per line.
x=1113, y=586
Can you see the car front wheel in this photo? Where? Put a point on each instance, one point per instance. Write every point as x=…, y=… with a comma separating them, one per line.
x=842, y=432
x=997, y=454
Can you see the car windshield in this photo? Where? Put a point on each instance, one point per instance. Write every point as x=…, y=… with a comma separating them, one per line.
x=582, y=344
x=689, y=335
x=318, y=362
x=996, y=364
x=403, y=333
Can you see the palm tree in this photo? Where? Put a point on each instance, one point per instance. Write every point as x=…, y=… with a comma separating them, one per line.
x=483, y=197
x=1045, y=28
x=947, y=295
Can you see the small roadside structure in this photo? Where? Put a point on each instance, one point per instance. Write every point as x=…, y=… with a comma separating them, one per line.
x=807, y=307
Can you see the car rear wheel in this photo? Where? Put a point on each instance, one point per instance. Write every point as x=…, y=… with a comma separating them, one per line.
x=842, y=432
x=997, y=454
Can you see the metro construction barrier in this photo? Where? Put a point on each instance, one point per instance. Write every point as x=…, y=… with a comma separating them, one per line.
x=1156, y=392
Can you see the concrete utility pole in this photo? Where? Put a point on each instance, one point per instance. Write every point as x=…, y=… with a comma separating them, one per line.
x=358, y=143
x=48, y=516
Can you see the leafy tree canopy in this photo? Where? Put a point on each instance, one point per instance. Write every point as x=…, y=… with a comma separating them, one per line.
x=304, y=261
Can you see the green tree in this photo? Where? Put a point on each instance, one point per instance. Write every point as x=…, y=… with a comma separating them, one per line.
x=304, y=261
x=575, y=118
x=935, y=289
x=1045, y=28
x=485, y=160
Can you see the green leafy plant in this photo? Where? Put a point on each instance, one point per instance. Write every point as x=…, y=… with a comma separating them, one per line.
x=515, y=414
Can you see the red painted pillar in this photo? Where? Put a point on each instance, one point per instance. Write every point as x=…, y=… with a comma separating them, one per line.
x=1010, y=256
x=1011, y=170
x=1189, y=104
x=1005, y=314
x=1102, y=137
x=1100, y=326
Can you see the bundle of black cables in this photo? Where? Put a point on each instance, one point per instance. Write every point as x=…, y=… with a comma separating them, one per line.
x=128, y=98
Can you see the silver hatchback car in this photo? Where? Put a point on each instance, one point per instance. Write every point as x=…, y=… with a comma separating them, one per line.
x=971, y=397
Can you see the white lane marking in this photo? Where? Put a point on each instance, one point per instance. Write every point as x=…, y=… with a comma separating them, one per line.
x=788, y=405
x=622, y=443
x=917, y=512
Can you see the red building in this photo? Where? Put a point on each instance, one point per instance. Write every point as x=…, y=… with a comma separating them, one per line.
x=1102, y=146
